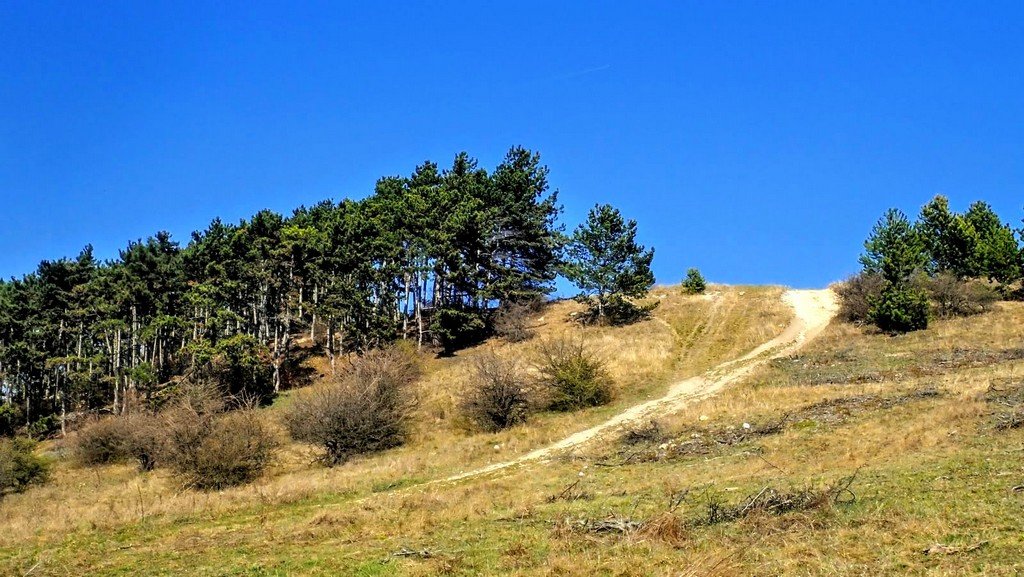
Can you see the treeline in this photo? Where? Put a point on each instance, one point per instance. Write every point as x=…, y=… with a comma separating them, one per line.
x=429, y=257
x=943, y=264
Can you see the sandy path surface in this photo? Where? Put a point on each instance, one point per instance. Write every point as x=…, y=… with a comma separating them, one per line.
x=813, y=310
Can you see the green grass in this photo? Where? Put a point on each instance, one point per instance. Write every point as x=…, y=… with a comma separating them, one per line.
x=929, y=469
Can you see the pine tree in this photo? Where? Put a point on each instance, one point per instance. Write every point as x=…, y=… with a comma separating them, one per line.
x=606, y=263
x=996, y=253
x=522, y=236
x=694, y=282
x=948, y=238
x=430, y=256
x=896, y=251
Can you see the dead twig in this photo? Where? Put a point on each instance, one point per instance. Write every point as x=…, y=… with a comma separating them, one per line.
x=421, y=554
x=620, y=525
x=773, y=465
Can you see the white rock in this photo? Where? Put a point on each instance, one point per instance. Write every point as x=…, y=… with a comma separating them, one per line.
x=746, y=425
x=704, y=417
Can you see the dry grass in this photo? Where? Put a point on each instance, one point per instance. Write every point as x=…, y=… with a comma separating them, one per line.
x=932, y=469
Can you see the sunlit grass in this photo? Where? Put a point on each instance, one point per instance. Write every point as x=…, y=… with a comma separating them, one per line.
x=930, y=470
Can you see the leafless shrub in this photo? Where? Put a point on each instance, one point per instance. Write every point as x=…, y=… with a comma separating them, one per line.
x=135, y=437
x=213, y=449
x=856, y=295
x=366, y=410
x=399, y=363
x=574, y=376
x=512, y=321
x=953, y=297
x=146, y=441
x=500, y=395
x=101, y=442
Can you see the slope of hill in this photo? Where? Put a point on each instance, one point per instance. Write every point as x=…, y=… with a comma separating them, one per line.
x=852, y=456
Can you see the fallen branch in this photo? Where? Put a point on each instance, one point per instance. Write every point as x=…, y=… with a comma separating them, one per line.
x=406, y=552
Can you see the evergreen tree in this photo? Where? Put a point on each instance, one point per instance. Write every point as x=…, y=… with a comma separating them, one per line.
x=996, y=253
x=429, y=257
x=606, y=263
x=522, y=236
x=949, y=239
x=896, y=251
x=694, y=282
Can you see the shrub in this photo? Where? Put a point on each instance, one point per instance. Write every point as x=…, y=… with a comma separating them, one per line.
x=210, y=449
x=616, y=311
x=102, y=442
x=399, y=364
x=900, y=309
x=146, y=444
x=512, y=322
x=694, y=282
x=10, y=418
x=44, y=427
x=499, y=397
x=20, y=467
x=136, y=437
x=573, y=375
x=368, y=409
x=856, y=295
x=953, y=297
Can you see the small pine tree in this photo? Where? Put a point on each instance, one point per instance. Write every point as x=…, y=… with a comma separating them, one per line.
x=896, y=250
x=900, y=309
x=606, y=262
x=694, y=283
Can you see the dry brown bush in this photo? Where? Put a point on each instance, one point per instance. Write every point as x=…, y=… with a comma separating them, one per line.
x=856, y=295
x=136, y=437
x=212, y=449
x=367, y=409
x=953, y=297
x=500, y=395
x=512, y=321
x=101, y=442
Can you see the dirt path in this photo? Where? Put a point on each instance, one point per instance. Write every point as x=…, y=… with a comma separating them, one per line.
x=813, y=310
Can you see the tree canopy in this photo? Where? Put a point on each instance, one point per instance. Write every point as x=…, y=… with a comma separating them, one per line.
x=903, y=257
x=605, y=261
x=426, y=257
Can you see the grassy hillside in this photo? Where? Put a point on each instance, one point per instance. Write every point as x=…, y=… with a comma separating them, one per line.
x=915, y=421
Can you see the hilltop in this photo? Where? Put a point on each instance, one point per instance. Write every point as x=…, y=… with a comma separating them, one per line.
x=839, y=458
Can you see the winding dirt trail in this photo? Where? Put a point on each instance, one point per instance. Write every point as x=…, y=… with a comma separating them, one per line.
x=813, y=310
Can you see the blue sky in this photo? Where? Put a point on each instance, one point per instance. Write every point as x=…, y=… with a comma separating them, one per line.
x=758, y=141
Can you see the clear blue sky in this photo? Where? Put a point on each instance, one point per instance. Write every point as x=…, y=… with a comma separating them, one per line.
x=756, y=140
